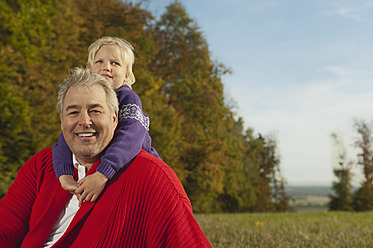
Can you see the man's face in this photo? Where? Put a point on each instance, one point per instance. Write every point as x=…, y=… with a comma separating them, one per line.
x=87, y=122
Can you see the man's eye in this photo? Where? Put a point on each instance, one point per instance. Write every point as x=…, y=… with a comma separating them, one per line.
x=95, y=111
x=73, y=113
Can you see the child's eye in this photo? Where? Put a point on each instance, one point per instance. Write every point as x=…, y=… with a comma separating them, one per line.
x=98, y=61
x=115, y=63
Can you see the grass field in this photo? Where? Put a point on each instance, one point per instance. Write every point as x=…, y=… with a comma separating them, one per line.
x=303, y=229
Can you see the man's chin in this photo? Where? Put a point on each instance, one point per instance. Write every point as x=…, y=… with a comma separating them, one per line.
x=86, y=152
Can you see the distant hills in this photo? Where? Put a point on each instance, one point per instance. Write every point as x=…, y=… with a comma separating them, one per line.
x=308, y=198
x=304, y=191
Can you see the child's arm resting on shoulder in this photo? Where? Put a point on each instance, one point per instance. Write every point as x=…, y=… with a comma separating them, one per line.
x=124, y=147
x=129, y=137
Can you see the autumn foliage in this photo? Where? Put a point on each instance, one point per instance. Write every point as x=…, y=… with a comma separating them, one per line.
x=222, y=166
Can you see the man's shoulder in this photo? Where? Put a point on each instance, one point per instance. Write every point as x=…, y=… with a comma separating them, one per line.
x=44, y=158
x=154, y=168
x=40, y=163
x=43, y=155
x=147, y=160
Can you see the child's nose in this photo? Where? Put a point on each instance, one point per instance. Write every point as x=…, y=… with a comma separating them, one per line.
x=107, y=67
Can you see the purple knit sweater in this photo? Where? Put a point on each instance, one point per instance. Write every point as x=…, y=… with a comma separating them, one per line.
x=131, y=135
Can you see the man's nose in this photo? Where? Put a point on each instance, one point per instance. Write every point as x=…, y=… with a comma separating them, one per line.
x=85, y=119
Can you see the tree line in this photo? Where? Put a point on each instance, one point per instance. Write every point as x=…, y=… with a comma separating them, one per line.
x=345, y=197
x=222, y=165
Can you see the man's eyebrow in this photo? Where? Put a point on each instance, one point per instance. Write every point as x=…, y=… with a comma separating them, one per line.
x=72, y=107
x=95, y=105
x=89, y=106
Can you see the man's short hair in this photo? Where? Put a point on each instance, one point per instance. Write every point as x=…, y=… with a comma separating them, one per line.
x=125, y=49
x=85, y=78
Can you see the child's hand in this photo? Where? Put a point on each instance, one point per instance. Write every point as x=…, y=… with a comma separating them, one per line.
x=68, y=183
x=91, y=187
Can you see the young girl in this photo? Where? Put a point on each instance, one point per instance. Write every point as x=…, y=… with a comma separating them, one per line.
x=112, y=58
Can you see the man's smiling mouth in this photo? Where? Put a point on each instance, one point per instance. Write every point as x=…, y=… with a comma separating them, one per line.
x=85, y=135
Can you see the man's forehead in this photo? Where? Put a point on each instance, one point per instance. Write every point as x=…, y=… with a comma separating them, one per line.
x=85, y=96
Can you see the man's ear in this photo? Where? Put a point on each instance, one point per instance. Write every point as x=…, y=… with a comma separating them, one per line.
x=61, y=120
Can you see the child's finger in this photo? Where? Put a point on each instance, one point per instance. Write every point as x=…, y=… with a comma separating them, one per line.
x=72, y=188
x=79, y=190
x=94, y=198
x=80, y=202
x=88, y=198
x=81, y=199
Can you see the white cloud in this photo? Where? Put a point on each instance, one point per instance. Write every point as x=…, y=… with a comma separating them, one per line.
x=358, y=11
x=337, y=70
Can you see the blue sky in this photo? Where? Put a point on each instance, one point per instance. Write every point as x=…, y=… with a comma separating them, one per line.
x=301, y=69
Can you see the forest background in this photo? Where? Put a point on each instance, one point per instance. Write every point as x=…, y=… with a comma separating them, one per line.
x=222, y=166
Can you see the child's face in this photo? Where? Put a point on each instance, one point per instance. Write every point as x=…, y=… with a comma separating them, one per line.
x=109, y=64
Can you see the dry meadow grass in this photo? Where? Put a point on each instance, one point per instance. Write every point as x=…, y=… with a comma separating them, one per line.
x=289, y=230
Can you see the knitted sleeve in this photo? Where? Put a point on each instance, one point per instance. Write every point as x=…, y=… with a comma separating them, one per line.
x=62, y=158
x=129, y=136
x=16, y=206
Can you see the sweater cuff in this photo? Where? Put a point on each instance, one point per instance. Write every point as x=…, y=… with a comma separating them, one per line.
x=107, y=170
x=64, y=169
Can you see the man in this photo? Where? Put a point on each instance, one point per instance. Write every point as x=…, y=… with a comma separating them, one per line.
x=143, y=206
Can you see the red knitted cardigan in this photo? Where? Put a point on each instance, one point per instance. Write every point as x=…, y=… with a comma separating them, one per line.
x=143, y=206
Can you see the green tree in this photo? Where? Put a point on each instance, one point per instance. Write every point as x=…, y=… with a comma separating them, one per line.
x=342, y=198
x=192, y=84
x=238, y=194
x=24, y=25
x=14, y=133
x=363, y=197
x=365, y=144
x=267, y=180
x=26, y=34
